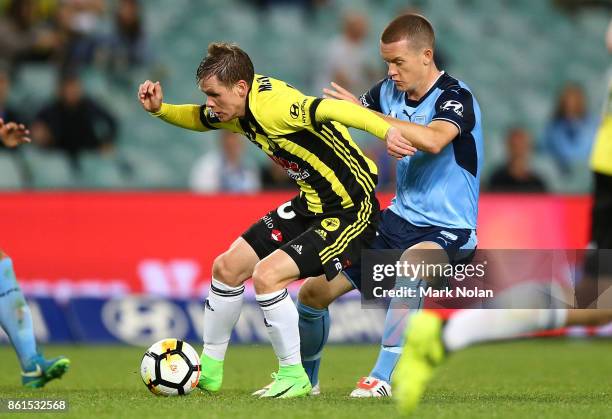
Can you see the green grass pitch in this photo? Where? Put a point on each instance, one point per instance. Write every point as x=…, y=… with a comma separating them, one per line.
x=528, y=379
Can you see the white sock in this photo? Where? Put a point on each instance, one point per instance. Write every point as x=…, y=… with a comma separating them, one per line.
x=281, y=317
x=471, y=326
x=221, y=312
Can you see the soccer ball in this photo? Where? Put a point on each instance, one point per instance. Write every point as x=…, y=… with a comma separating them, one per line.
x=170, y=367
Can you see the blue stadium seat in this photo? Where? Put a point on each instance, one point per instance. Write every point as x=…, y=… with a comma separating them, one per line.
x=49, y=169
x=514, y=55
x=10, y=172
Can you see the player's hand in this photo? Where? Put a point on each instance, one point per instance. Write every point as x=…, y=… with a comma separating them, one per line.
x=150, y=96
x=397, y=145
x=13, y=134
x=340, y=93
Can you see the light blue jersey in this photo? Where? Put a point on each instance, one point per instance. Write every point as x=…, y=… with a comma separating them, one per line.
x=436, y=189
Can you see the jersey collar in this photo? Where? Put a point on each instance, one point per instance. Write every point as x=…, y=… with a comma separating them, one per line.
x=248, y=117
x=414, y=103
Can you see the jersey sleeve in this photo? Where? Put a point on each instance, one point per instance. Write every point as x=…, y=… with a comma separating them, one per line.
x=371, y=98
x=350, y=115
x=193, y=117
x=457, y=107
x=285, y=110
x=211, y=121
x=288, y=111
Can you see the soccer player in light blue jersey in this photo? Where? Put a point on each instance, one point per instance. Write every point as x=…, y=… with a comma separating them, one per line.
x=436, y=202
x=15, y=318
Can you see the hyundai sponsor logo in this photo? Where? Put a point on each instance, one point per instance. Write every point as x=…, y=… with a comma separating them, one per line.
x=142, y=320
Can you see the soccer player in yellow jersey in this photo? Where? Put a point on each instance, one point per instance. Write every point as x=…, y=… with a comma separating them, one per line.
x=601, y=164
x=320, y=231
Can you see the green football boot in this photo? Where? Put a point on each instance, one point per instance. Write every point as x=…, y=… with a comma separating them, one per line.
x=40, y=371
x=211, y=376
x=423, y=351
x=289, y=381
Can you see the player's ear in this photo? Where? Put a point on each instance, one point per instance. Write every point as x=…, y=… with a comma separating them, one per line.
x=241, y=88
x=427, y=56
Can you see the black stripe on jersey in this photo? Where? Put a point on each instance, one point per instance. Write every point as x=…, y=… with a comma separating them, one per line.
x=203, y=118
x=313, y=113
x=360, y=160
x=330, y=158
x=248, y=115
x=446, y=81
x=248, y=131
x=466, y=156
x=330, y=200
x=363, y=179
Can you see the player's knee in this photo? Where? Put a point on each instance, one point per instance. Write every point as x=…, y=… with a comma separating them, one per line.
x=313, y=297
x=265, y=278
x=225, y=271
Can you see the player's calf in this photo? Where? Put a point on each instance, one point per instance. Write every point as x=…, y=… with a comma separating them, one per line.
x=222, y=309
x=318, y=293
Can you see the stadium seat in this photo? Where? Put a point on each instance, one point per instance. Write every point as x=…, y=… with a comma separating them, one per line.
x=33, y=86
x=49, y=169
x=532, y=44
x=545, y=167
x=10, y=173
x=103, y=171
x=150, y=170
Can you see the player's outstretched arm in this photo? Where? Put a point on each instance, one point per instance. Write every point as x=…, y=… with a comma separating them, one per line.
x=431, y=138
x=151, y=97
x=397, y=146
x=355, y=116
x=13, y=134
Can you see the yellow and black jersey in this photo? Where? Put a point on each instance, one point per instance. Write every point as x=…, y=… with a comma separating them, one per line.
x=601, y=155
x=307, y=136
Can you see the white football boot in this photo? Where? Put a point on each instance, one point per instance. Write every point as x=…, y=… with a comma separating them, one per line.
x=371, y=387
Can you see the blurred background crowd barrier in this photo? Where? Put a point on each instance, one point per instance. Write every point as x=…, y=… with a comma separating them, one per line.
x=135, y=267
x=70, y=69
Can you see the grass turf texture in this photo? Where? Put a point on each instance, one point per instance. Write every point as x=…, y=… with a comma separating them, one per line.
x=528, y=379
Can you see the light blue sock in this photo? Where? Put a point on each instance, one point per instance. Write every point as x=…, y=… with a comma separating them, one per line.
x=15, y=316
x=314, y=331
x=393, y=332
